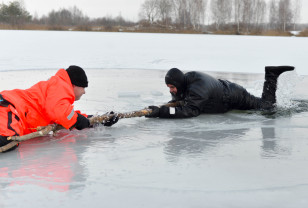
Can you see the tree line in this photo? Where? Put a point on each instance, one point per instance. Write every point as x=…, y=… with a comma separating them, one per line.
x=237, y=16
x=179, y=13
x=16, y=16
x=243, y=16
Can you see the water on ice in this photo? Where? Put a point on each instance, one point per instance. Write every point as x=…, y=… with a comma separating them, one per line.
x=237, y=159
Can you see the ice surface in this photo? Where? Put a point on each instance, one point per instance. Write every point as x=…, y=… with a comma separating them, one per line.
x=128, y=94
x=237, y=159
x=55, y=49
x=156, y=93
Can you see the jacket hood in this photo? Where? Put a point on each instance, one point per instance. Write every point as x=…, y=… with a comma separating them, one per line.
x=177, y=78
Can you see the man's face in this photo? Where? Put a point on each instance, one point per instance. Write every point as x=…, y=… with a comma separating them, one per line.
x=172, y=89
x=78, y=91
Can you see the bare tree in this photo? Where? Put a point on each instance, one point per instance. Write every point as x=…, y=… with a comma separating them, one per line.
x=78, y=18
x=149, y=11
x=221, y=12
x=273, y=15
x=66, y=17
x=285, y=14
x=164, y=8
x=238, y=13
x=296, y=10
x=181, y=13
x=247, y=15
x=251, y=14
x=259, y=9
x=197, y=12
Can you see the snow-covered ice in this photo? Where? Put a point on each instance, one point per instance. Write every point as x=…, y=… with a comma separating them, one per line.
x=237, y=159
x=54, y=49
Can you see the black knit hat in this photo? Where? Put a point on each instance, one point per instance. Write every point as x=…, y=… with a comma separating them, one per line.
x=78, y=76
x=175, y=77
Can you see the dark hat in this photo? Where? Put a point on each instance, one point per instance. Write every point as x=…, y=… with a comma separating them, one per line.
x=78, y=76
x=175, y=77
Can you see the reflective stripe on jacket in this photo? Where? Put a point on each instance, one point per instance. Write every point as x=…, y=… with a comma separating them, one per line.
x=45, y=103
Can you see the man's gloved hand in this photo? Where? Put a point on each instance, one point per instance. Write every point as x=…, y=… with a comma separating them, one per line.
x=114, y=119
x=82, y=122
x=155, y=112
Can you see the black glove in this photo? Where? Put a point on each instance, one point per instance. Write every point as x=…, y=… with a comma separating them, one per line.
x=114, y=119
x=155, y=112
x=82, y=122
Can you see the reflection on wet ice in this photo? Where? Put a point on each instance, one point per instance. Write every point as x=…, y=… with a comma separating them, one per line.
x=237, y=154
x=47, y=162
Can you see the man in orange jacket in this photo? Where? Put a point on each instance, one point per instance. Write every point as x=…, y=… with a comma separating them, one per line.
x=46, y=102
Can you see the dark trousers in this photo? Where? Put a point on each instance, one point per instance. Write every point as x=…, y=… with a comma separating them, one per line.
x=240, y=99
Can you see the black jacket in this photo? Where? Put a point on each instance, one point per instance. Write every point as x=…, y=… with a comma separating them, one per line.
x=205, y=94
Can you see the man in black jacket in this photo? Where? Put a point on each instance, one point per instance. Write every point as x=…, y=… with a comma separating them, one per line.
x=200, y=93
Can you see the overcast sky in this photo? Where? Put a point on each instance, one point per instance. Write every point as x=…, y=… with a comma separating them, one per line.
x=129, y=9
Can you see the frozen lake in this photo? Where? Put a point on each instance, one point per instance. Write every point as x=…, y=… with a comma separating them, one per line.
x=53, y=49
x=238, y=159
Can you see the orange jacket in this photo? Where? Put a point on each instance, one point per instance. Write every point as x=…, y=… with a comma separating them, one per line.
x=45, y=103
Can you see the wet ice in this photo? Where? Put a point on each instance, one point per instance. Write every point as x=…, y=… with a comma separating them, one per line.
x=237, y=159
x=214, y=159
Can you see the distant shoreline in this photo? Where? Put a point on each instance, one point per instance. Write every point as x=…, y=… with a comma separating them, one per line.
x=303, y=33
x=193, y=17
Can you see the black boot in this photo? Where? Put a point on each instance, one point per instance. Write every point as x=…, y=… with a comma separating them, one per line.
x=270, y=85
x=277, y=70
